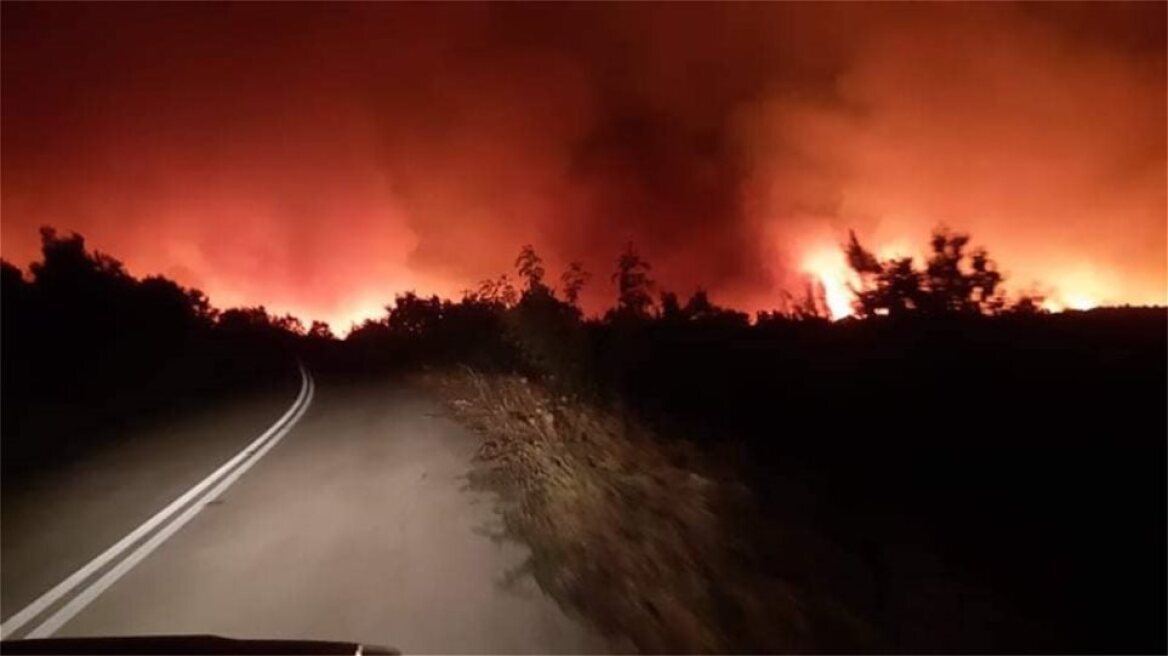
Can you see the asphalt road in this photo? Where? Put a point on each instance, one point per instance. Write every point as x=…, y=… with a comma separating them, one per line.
x=353, y=522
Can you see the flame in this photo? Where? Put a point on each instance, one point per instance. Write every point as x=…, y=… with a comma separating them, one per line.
x=1082, y=287
x=829, y=266
x=344, y=322
x=1081, y=302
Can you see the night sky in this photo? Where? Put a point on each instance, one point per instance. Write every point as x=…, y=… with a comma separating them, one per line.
x=320, y=158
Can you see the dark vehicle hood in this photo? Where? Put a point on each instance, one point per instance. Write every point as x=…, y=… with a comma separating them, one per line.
x=185, y=644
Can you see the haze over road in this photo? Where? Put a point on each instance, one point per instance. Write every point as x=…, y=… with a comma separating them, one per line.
x=357, y=526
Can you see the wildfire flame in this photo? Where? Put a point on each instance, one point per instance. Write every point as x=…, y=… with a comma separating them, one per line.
x=829, y=266
x=1079, y=289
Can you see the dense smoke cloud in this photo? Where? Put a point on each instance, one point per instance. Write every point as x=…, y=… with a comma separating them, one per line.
x=319, y=159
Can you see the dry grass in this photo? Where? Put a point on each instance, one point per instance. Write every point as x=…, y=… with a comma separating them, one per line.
x=635, y=534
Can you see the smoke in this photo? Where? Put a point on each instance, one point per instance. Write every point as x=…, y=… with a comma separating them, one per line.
x=319, y=160
x=1049, y=148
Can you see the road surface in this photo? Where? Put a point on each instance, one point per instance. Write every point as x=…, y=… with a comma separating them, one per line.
x=349, y=519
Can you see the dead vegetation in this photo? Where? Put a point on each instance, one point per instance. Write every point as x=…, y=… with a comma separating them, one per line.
x=635, y=534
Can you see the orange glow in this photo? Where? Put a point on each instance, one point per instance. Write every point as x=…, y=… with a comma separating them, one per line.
x=345, y=157
x=1083, y=287
x=1079, y=288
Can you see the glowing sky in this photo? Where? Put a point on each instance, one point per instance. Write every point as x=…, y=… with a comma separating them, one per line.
x=319, y=158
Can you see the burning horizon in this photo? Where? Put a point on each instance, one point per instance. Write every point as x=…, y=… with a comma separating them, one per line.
x=319, y=160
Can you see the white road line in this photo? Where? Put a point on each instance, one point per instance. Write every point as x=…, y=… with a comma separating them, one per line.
x=64, y=587
x=86, y=596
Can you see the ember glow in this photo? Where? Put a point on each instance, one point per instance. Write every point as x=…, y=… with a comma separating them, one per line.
x=319, y=159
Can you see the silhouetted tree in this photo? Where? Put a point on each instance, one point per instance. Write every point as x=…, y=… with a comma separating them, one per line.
x=321, y=330
x=543, y=330
x=952, y=288
x=495, y=291
x=699, y=309
x=953, y=281
x=290, y=324
x=67, y=267
x=18, y=323
x=1027, y=304
x=573, y=280
x=699, y=306
x=634, y=286
x=530, y=268
x=16, y=290
x=245, y=319
x=81, y=329
x=414, y=315
x=671, y=307
x=368, y=331
x=813, y=305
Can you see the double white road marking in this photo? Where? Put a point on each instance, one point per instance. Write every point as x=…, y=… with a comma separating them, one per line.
x=193, y=500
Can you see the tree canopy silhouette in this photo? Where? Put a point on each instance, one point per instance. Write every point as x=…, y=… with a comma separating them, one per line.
x=634, y=286
x=529, y=265
x=573, y=280
x=954, y=281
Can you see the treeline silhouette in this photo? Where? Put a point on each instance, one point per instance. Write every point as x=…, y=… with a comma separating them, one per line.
x=86, y=347
x=1025, y=448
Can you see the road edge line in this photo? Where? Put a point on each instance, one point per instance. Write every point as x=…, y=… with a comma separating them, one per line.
x=89, y=594
x=54, y=594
